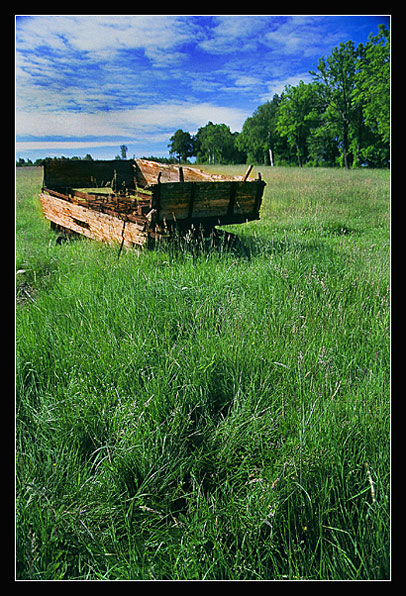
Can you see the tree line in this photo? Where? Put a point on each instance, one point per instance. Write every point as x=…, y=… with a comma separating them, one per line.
x=21, y=162
x=341, y=118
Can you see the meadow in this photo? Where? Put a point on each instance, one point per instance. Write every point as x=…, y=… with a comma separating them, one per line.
x=200, y=412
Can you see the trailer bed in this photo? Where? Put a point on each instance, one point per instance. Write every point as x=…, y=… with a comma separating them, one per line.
x=136, y=201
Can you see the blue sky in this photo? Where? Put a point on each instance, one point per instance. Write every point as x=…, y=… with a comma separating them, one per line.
x=89, y=83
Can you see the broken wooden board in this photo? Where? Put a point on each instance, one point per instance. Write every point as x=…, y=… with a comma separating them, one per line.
x=93, y=224
x=151, y=172
x=63, y=174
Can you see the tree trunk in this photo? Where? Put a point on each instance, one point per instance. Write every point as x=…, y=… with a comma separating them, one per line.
x=345, y=146
x=299, y=161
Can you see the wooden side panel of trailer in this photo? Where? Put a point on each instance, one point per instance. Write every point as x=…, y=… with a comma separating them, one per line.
x=226, y=201
x=93, y=224
x=64, y=174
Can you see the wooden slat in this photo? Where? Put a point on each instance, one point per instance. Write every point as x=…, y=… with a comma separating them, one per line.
x=209, y=200
x=88, y=174
x=247, y=173
x=147, y=173
x=93, y=224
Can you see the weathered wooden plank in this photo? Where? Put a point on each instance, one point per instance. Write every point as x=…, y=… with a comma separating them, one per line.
x=57, y=194
x=147, y=173
x=209, y=200
x=87, y=174
x=247, y=173
x=90, y=223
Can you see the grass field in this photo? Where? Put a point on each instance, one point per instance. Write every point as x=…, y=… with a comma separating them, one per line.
x=193, y=413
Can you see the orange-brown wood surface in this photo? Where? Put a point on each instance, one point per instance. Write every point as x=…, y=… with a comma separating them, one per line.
x=90, y=223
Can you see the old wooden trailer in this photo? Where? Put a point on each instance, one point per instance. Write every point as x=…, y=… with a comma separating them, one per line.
x=134, y=202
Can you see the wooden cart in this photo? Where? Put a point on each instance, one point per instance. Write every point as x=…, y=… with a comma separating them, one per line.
x=134, y=202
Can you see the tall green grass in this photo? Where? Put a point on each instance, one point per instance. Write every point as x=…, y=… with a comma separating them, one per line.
x=200, y=412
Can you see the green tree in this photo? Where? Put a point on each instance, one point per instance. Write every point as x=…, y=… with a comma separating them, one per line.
x=337, y=75
x=182, y=145
x=297, y=116
x=259, y=134
x=215, y=143
x=236, y=155
x=373, y=83
x=322, y=148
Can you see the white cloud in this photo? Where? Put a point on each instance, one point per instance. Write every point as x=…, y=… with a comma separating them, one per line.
x=102, y=35
x=233, y=33
x=76, y=61
x=302, y=35
x=58, y=145
x=276, y=86
x=285, y=35
x=246, y=81
x=145, y=120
